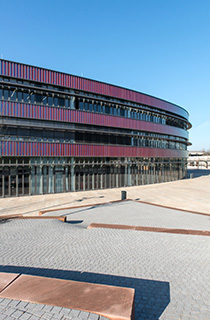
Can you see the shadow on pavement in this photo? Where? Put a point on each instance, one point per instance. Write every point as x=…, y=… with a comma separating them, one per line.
x=197, y=172
x=151, y=297
x=85, y=208
x=3, y=221
x=74, y=221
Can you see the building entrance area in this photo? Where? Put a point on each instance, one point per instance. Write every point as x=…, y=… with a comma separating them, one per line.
x=32, y=176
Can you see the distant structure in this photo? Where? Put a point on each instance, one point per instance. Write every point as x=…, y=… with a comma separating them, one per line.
x=63, y=133
x=198, y=160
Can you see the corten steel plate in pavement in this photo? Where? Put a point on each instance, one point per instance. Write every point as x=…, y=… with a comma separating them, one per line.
x=109, y=301
x=6, y=279
x=149, y=229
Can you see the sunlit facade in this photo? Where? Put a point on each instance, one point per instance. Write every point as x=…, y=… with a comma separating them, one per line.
x=62, y=133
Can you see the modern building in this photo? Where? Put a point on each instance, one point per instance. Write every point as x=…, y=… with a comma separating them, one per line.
x=63, y=133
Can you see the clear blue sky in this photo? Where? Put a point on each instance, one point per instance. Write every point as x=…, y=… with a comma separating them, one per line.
x=159, y=47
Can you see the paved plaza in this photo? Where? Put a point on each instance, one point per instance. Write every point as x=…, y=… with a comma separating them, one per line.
x=15, y=309
x=136, y=214
x=170, y=272
x=188, y=194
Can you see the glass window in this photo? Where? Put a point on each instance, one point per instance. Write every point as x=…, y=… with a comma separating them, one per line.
x=20, y=96
x=1, y=93
x=81, y=105
x=66, y=103
x=38, y=98
x=107, y=110
x=90, y=106
x=55, y=101
x=99, y=108
x=32, y=97
x=50, y=100
x=44, y=100
x=13, y=95
x=25, y=97
x=61, y=102
x=6, y=94
x=112, y=110
x=86, y=106
x=59, y=178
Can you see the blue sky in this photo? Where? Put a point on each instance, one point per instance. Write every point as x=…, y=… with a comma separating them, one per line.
x=159, y=47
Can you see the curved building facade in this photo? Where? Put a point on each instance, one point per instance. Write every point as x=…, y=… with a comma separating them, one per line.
x=63, y=133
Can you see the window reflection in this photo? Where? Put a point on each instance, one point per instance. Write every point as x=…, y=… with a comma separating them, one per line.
x=64, y=101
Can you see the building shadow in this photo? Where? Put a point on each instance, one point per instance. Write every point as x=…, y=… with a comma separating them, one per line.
x=196, y=173
x=151, y=297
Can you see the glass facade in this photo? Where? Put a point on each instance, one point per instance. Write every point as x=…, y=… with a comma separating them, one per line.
x=48, y=133
x=55, y=175
x=48, y=97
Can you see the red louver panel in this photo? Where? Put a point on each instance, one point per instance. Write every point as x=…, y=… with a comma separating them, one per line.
x=18, y=70
x=29, y=111
x=19, y=148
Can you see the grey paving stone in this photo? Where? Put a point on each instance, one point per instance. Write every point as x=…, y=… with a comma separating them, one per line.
x=14, y=303
x=34, y=318
x=9, y=311
x=22, y=304
x=47, y=308
x=93, y=316
x=65, y=311
x=84, y=315
x=16, y=314
x=47, y=315
x=74, y=313
x=170, y=273
x=25, y=316
x=31, y=306
x=39, y=306
x=38, y=312
x=58, y=316
x=5, y=302
x=56, y=309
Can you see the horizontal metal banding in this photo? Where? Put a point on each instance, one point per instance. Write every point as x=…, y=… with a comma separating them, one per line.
x=18, y=148
x=29, y=111
x=22, y=71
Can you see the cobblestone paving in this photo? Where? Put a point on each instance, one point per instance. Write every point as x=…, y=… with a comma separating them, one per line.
x=15, y=309
x=170, y=272
x=135, y=213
